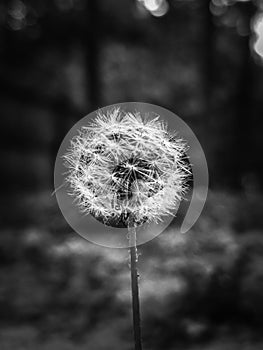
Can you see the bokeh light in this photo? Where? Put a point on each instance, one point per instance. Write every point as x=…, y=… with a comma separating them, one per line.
x=258, y=29
x=157, y=8
x=17, y=15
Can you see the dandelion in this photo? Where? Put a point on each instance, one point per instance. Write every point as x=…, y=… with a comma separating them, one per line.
x=126, y=169
x=122, y=165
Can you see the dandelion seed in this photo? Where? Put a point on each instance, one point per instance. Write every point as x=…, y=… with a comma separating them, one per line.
x=125, y=163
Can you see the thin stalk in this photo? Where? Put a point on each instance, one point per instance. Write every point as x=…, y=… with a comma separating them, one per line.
x=135, y=289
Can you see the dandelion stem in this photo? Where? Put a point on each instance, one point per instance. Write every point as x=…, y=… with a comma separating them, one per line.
x=135, y=289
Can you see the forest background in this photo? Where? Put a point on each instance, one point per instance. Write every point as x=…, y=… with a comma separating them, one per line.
x=59, y=61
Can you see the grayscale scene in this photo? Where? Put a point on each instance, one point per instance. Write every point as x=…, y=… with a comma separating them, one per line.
x=61, y=60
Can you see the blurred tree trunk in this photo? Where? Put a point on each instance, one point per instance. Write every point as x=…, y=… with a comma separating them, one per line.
x=242, y=156
x=209, y=82
x=91, y=44
x=209, y=40
x=89, y=37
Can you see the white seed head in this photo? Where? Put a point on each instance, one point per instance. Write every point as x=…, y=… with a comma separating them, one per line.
x=122, y=164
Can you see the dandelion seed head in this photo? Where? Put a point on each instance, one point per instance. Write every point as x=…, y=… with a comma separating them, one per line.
x=125, y=163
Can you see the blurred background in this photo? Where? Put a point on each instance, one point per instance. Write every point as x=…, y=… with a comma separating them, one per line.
x=62, y=59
